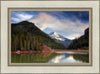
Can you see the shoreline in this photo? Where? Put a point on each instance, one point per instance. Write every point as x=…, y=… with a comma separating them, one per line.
x=19, y=52
x=72, y=50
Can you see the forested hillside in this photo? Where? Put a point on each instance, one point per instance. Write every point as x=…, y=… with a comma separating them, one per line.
x=26, y=36
x=82, y=42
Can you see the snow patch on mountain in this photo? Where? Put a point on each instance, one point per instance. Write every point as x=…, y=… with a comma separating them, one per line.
x=57, y=36
x=60, y=39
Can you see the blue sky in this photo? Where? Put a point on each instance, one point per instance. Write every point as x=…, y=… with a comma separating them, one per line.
x=70, y=24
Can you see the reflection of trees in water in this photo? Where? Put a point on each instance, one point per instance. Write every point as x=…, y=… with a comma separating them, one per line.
x=32, y=58
x=81, y=57
x=45, y=54
x=45, y=57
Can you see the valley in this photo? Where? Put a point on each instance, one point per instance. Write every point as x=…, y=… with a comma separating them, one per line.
x=30, y=44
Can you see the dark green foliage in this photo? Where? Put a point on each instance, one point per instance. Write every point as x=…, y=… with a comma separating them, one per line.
x=82, y=57
x=31, y=58
x=26, y=36
x=82, y=42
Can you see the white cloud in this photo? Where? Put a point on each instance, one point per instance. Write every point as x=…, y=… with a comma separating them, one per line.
x=44, y=20
x=21, y=17
x=73, y=36
x=15, y=19
x=24, y=16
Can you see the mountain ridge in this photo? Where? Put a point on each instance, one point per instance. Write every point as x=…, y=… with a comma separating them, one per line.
x=25, y=36
x=82, y=42
x=60, y=39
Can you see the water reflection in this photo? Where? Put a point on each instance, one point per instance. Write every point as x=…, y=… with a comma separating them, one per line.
x=32, y=58
x=60, y=57
x=70, y=58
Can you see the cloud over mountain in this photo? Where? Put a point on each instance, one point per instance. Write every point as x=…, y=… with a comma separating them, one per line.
x=70, y=24
x=21, y=17
x=44, y=20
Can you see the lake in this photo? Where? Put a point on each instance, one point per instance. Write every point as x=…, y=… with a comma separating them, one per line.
x=58, y=57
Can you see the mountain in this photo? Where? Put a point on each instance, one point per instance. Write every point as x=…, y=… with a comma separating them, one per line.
x=82, y=42
x=25, y=36
x=60, y=39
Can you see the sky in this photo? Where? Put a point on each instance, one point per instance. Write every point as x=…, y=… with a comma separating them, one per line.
x=70, y=24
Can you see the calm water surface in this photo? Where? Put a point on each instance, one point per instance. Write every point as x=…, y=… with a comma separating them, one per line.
x=59, y=57
x=70, y=57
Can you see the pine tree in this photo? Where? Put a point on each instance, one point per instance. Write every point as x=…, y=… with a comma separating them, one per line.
x=27, y=42
x=20, y=43
x=25, y=45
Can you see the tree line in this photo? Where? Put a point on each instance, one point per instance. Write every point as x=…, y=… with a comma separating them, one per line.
x=81, y=42
x=23, y=40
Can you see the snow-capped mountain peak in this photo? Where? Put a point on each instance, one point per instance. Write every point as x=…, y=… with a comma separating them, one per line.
x=57, y=36
x=60, y=39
